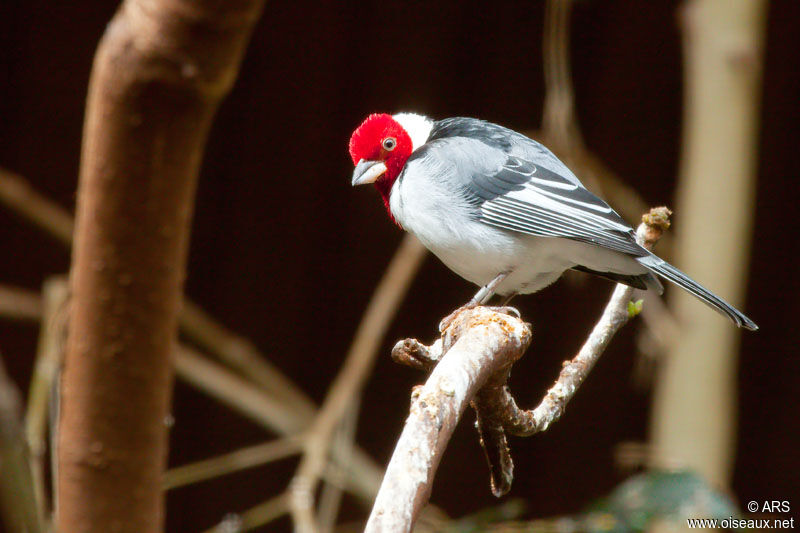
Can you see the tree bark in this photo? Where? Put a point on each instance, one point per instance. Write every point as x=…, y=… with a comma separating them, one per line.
x=695, y=402
x=488, y=342
x=160, y=72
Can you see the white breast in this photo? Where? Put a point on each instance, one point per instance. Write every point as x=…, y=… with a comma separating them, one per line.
x=445, y=223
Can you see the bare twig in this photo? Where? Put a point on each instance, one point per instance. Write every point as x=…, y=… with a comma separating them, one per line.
x=20, y=304
x=381, y=309
x=237, y=393
x=257, y=516
x=558, y=121
x=487, y=342
x=330, y=498
x=21, y=511
x=478, y=372
x=45, y=371
x=17, y=194
x=616, y=314
x=232, y=462
x=229, y=388
x=240, y=354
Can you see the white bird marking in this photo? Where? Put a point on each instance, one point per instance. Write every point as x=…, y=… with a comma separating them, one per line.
x=418, y=127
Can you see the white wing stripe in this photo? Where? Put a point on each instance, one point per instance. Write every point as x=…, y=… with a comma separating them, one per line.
x=538, y=219
x=561, y=198
x=556, y=205
x=554, y=184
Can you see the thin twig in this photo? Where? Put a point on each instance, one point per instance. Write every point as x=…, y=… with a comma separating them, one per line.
x=558, y=122
x=242, y=355
x=20, y=304
x=260, y=515
x=240, y=395
x=349, y=382
x=229, y=463
x=199, y=327
x=49, y=354
x=224, y=386
x=574, y=372
x=21, y=511
x=330, y=497
x=17, y=194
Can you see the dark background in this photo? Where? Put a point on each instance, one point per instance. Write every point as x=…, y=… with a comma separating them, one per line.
x=280, y=237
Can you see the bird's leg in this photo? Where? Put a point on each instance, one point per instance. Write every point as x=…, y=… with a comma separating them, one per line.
x=487, y=291
x=480, y=298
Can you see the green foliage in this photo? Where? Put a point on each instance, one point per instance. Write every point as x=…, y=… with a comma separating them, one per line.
x=634, y=505
x=634, y=308
x=656, y=495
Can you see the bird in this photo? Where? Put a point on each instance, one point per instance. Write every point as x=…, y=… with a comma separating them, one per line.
x=501, y=210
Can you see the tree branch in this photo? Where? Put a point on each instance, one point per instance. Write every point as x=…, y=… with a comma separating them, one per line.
x=20, y=304
x=229, y=463
x=487, y=342
x=244, y=397
x=480, y=347
x=160, y=72
x=350, y=380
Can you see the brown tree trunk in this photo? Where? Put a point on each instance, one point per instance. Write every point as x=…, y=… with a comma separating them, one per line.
x=160, y=72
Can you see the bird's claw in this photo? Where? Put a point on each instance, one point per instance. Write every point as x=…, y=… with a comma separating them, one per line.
x=448, y=320
x=506, y=310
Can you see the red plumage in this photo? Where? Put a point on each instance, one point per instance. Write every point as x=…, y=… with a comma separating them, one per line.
x=367, y=143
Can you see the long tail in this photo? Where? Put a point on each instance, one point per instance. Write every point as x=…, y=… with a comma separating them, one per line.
x=669, y=272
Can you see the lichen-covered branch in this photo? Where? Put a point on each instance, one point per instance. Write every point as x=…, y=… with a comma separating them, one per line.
x=616, y=314
x=480, y=346
x=482, y=342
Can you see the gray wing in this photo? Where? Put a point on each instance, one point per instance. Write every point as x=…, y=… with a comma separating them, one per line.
x=517, y=184
x=504, y=139
x=529, y=198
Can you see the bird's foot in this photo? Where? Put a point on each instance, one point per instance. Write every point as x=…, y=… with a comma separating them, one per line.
x=448, y=320
x=506, y=310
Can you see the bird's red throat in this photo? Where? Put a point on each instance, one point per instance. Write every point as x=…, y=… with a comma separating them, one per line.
x=367, y=143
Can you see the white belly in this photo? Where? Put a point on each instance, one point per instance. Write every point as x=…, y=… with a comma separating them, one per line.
x=479, y=252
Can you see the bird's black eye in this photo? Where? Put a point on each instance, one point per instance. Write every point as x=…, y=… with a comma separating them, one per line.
x=389, y=143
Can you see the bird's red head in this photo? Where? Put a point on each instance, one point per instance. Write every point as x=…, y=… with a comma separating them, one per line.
x=379, y=148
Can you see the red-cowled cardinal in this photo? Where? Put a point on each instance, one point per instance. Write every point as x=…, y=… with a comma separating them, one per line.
x=501, y=210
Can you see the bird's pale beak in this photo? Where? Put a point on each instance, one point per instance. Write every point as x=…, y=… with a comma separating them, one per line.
x=368, y=172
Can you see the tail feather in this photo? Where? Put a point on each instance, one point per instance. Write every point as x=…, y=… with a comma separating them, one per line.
x=670, y=273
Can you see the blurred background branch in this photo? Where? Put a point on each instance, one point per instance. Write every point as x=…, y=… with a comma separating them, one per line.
x=694, y=413
x=268, y=250
x=18, y=500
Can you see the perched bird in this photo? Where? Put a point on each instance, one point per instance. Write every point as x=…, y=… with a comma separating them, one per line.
x=502, y=211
